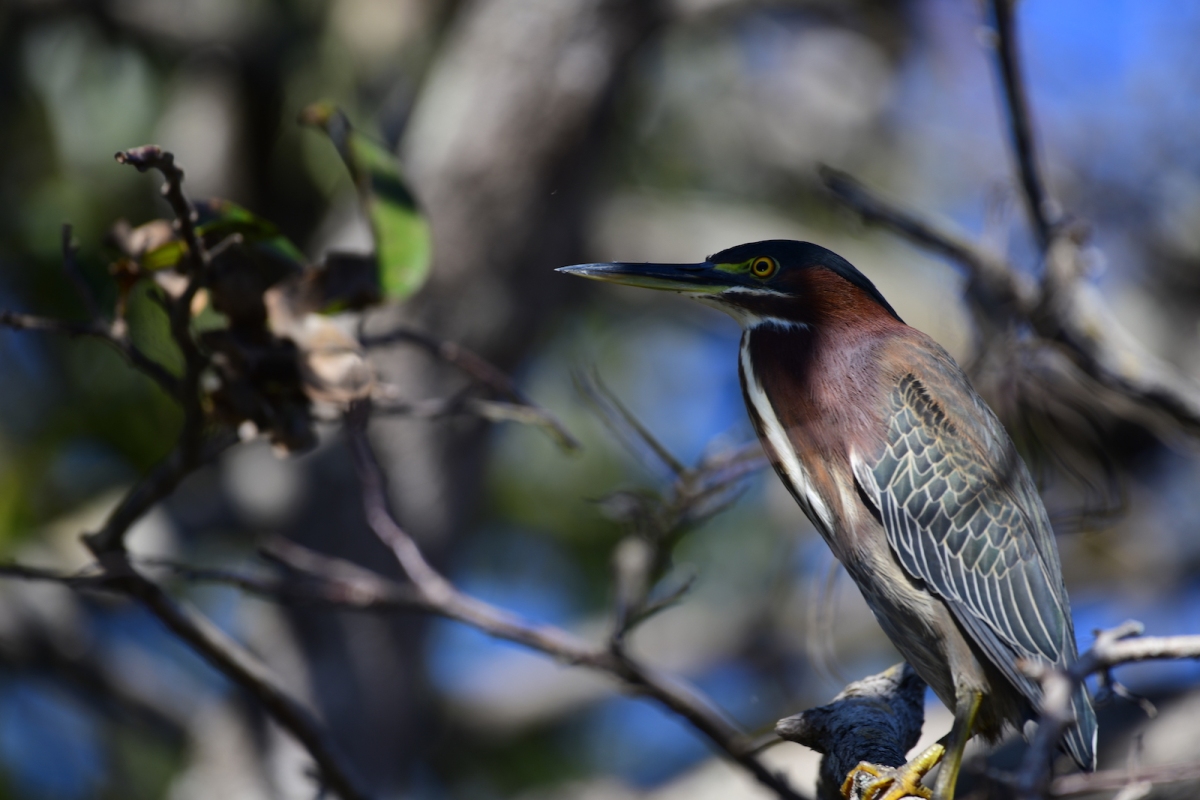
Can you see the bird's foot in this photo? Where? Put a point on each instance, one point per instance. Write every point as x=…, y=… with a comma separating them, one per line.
x=873, y=782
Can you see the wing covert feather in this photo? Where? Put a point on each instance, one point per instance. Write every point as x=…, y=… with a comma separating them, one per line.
x=961, y=514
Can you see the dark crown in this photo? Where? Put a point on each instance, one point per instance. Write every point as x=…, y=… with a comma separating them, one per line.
x=793, y=255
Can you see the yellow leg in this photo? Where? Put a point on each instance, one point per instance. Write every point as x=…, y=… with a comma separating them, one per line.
x=899, y=782
x=960, y=733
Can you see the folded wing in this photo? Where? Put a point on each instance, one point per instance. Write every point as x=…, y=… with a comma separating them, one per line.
x=962, y=515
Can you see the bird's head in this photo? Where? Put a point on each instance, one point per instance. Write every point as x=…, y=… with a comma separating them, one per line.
x=773, y=281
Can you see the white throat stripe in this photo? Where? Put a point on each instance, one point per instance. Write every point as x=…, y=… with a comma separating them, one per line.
x=811, y=502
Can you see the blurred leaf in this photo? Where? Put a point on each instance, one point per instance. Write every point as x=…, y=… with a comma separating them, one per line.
x=150, y=327
x=164, y=256
x=403, y=248
x=220, y=218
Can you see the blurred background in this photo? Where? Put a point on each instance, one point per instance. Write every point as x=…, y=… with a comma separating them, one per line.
x=539, y=133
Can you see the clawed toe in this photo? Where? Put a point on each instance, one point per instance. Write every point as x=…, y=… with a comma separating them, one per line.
x=892, y=783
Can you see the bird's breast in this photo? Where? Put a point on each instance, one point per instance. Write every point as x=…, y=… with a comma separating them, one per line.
x=807, y=416
x=782, y=452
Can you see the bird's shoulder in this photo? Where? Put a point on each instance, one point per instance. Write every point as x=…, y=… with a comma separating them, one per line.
x=918, y=375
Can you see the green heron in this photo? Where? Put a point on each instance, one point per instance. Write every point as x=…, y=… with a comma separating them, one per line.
x=907, y=475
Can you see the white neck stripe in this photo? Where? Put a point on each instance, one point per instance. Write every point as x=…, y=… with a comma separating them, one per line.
x=802, y=487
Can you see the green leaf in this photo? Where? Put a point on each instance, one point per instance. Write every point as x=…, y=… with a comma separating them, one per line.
x=219, y=218
x=403, y=247
x=150, y=327
x=164, y=256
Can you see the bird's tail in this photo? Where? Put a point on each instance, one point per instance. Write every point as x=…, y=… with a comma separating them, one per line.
x=1080, y=739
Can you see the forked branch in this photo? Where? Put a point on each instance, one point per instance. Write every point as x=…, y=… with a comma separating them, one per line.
x=445, y=599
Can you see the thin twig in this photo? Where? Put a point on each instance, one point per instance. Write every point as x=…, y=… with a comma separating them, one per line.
x=73, y=580
x=1121, y=645
x=563, y=646
x=461, y=404
x=71, y=268
x=1041, y=214
x=482, y=371
x=179, y=309
x=137, y=359
x=1109, y=780
x=455, y=354
x=617, y=417
x=243, y=669
x=366, y=591
x=148, y=157
x=225, y=654
x=1000, y=284
x=153, y=487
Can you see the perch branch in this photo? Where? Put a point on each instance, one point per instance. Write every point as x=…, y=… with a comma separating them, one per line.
x=877, y=719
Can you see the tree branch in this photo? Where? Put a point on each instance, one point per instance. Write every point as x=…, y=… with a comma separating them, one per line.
x=160, y=482
x=243, y=669
x=214, y=646
x=1112, y=648
x=1113, y=779
x=1042, y=214
x=1086, y=332
x=483, y=372
x=994, y=279
x=91, y=330
x=446, y=600
x=877, y=719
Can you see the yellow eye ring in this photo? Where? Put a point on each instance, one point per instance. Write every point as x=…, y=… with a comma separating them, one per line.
x=763, y=267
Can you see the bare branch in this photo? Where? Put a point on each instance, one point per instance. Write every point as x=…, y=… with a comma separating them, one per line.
x=483, y=372
x=617, y=417
x=71, y=268
x=365, y=591
x=153, y=487
x=237, y=664
x=1121, y=645
x=987, y=274
x=1042, y=214
x=91, y=330
x=1086, y=332
x=1109, y=780
x=448, y=601
x=226, y=655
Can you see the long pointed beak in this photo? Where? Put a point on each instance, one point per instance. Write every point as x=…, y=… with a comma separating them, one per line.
x=702, y=278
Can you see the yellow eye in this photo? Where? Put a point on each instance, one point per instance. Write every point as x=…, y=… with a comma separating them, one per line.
x=763, y=267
